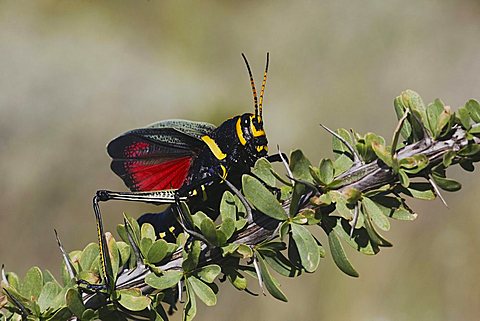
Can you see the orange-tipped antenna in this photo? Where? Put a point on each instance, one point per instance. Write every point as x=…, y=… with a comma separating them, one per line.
x=252, y=83
x=260, y=104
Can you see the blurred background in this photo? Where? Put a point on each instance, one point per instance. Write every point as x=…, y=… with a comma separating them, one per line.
x=75, y=74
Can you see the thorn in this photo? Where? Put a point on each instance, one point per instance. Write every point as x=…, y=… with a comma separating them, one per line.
x=426, y=135
x=259, y=273
x=437, y=191
x=396, y=133
x=356, y=213
x=307, y=184
x=4, y=276
x=179, y=286
x=356, y=157
x=68, y=264
x=136, y=250
x=18, y=304
x=242, y=198
x=188, y=230
x=285, y=164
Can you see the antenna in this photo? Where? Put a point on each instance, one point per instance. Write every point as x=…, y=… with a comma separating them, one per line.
x=260, y=105
x=252, y=83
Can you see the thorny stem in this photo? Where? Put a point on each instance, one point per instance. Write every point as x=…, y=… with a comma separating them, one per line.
x=363, y=178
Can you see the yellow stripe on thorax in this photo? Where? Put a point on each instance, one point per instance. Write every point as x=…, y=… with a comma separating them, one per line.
x=217, y=152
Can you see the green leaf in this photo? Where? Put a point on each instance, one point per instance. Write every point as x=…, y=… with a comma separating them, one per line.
x=236, y=278
x=464, y=117
x=134, y=229
x=474, y=130
x=203, y=291
x=433, y=113
x=372, y=232
x=245, y=251
x=403, y=215
x=208, y=273
x=262, y=199
x=414, y=101
x=13, y=280
x=467, y=165
x=300, y=166
x=49, y=291
x=229, y=249
x=403, y=177
x=394, y=207
x=228, y=228
x=376, y=214
x=114, y=256
x=190, y=307
x=400, y=110
x=89, y=315
x=473, y=108
x=207, y=227
x=326, y=171
x=446, y=184
x=228, y=210
x=158, y=251
x=469, y=150
x=421, y=191
x=448, y=158
x=124, y=250
x=443, y=120
x=263, y=170
x=382, y=153
x=414, y=164
x=342, y=164
x=167, y=280
x=145, y=245
x=272, y=285
x=60, y=315
x=307, y=247
x=89, y=254
x=147, y=231
x=32, y=283
x=133, y=300
x=48, y=277
x=339, y=256
x=339, y=148
x=190, y=258
x=341, y=205
x=74, y=302
x=280, y=264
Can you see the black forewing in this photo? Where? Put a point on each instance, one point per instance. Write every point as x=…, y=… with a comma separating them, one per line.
x=158, y=156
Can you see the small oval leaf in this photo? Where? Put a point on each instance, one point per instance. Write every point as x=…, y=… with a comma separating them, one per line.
x=339, y=256
x=168, y=280
x=262, y=198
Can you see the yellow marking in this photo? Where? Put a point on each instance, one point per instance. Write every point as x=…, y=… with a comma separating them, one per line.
x=242, y=139
x=259, y=148
x=171, y=229
x=217, y=152
x=102, y=257
x=194, y=192
x=224, y=171
x=256, y=132
x=162, y=234
x=204, y=193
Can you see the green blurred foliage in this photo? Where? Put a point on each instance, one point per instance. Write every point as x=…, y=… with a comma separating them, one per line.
x=74, y=74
